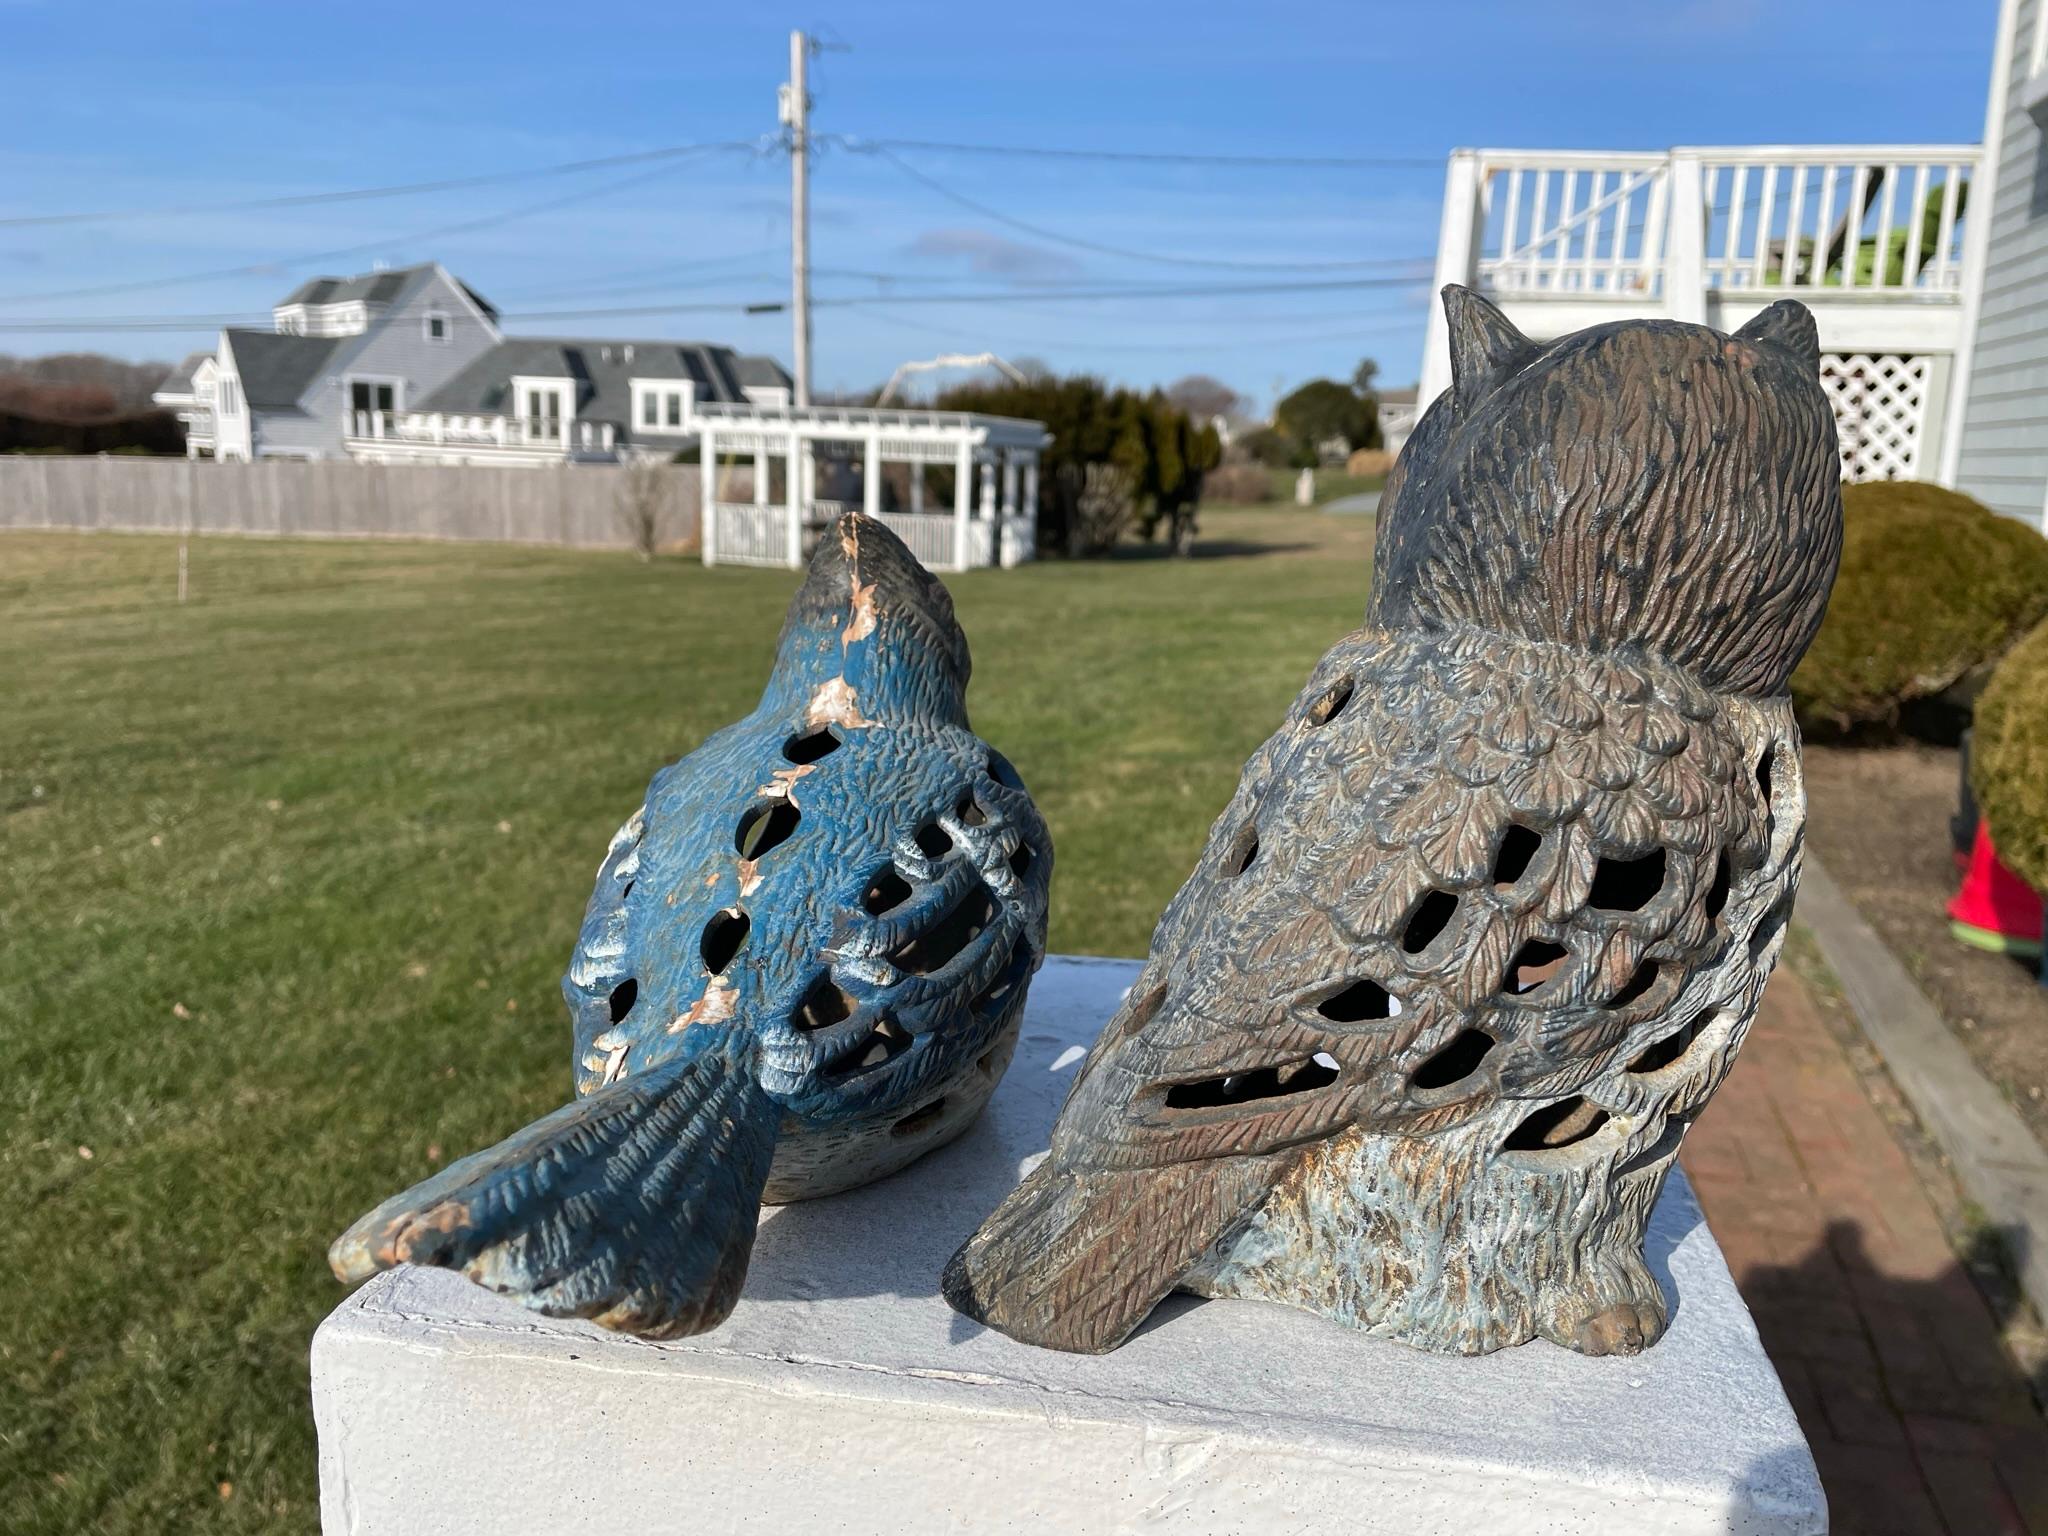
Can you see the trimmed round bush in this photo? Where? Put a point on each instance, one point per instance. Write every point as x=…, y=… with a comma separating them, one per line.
x=1933, y=586
x=2009, y=758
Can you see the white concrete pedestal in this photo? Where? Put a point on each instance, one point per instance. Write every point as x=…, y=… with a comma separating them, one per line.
x=844, y=1396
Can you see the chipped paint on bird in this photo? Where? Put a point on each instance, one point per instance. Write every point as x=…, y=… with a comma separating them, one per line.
x=772, y=1000
x=1490, y=914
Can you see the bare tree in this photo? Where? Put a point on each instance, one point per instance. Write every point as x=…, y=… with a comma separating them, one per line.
x=1103, y=507
x=643, y=505
x=1206, y=398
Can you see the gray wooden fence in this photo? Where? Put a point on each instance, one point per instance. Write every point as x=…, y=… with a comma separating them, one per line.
x=588, y=506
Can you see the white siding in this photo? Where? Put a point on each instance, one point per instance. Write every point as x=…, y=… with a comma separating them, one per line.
x=2004, y=454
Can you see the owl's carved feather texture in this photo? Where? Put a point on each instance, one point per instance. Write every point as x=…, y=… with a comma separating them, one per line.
x=1490, y=913
x=803, y=966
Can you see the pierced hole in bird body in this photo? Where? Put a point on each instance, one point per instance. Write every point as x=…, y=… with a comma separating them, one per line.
x=920, y=1119
x=1331, y=704
x=1277, y=1081
x=1518, y=849
x=880, y=1045
x=1456, y=1061
x=1535, y=962
x=1717, y=893
x=1763, y=774
x=886, y=892
x=923, y=953
x=1432, y=915
x=1627, y=885
x=811, y=746
x=1663, y=1053
x=723, y=937
x=1242, y=852
x=1359, y=1003
x=1142, y=1008
x=1636, y=986
x=765, y=826
x=969, y=811
x=627, y=889
x=933, y=841
x=824, y=1005
x=1021, y=860
x=1556, y=1126
x=623, y=997
x=992, y=997
x=1000, y=770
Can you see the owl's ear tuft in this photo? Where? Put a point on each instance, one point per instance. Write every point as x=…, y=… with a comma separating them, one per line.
x=1788, y=324
x=1485, y=346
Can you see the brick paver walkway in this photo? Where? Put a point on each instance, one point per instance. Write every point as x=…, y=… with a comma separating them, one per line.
x=1919, y=1420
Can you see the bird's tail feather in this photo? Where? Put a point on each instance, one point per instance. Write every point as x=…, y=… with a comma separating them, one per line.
x=1075, y=1260
x=635, y=1206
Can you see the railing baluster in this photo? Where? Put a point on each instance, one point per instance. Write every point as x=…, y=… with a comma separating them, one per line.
x=1731, y=248
x=1909, y=273
x=1651, y=280
x=1533, y=253
x=1508, y=239
x=1570, y=190
x=1945, y=241
x=1788, y=254
x=1880, y=269
x=1596, y=215
x=1852, y=223
x=1824, y=227
x=1760, y=264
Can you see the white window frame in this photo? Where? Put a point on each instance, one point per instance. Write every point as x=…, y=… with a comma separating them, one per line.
x=429, y=320
x=673, y=402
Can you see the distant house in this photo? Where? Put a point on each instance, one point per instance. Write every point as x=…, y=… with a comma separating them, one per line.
x=409, y=364
x=1398, y=414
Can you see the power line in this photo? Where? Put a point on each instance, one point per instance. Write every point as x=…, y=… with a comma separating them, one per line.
x=1039, y=231
x=1046, y=152
x=267, y=268
x=974, y=335
x=360, y=194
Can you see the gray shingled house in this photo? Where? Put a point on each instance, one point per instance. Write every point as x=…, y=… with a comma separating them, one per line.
x=409, y=365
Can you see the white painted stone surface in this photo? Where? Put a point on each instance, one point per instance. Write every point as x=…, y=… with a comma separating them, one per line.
x=844, y=1396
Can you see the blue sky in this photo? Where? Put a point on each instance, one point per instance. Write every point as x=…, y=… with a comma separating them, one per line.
x=125, y=106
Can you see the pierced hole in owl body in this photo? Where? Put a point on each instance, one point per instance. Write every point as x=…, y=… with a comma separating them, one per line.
x=1331, y=704
x=933, y=841
x=886, y=892
x=920, y=1119
x=1656, y=1057
x=1242, y=852
x=1518, y=849
x=1142, y=1008
x=824, y=1005
x=1456, y=1061
x=1000, y=770
x=723, y=937
x=765, y=826
x=1021, y=860
x=880, y=1045
x=969, y=811
x=1632, y=990
x=1432, y=915
x=1717, y=893
x=923, y=953
x=627, y=889
x=1768, y=927
x=1627, y=885
x=1535, y=962
x=1364, y=1000
x=1278, y=1081
x=992, y=997
x=1556, y=1126
x=811, y=746
x=622, y=998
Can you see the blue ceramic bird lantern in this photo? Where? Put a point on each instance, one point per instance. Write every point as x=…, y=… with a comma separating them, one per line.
x=803, y=967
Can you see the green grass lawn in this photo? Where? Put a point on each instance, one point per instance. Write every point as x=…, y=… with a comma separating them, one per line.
x=293, y=870
x=1330, y=485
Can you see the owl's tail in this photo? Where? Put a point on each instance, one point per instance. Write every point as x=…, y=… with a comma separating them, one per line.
x=1076, y=1260
x=635, y=1206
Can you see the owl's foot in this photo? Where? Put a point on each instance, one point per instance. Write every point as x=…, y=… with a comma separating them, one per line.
x=1626, y=1328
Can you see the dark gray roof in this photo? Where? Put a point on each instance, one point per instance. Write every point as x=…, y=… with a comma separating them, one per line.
x=603, y=373
x=762, y=372
x=180, y=380
x=275, y=370
x=370, y=287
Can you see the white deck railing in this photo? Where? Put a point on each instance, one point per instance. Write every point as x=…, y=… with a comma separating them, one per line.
x=1882, y=219
x=930, y=535
x=442, y=429
x=748, y=533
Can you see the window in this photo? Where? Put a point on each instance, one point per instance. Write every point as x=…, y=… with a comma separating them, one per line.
x=436, y=326
x=370, y=408
x=650, y=409
x=675, y=408
x=229, y=397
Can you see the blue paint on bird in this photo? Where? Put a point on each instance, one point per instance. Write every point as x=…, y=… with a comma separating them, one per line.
x=803, y=966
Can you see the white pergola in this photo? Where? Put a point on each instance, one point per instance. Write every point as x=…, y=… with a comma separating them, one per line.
x=994, y=517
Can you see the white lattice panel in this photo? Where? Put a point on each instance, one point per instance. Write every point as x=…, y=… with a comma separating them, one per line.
x=1880, y=412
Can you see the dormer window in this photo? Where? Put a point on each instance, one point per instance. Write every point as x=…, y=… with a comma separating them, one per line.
x=435, y=326
x=661, y=405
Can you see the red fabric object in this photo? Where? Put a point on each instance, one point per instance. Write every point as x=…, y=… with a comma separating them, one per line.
x=1995, y=909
